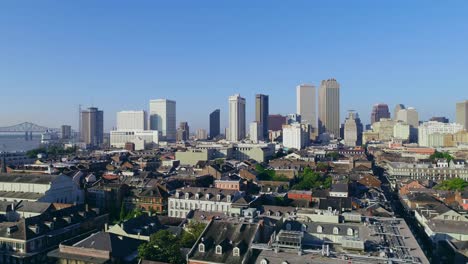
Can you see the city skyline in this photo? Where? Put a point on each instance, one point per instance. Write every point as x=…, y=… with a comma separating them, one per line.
x=148, y=57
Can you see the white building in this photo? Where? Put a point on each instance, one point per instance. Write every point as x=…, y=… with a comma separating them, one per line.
x=202, y=134
x=296, y=135
x=40, y=188
x=162, y=115
x=255, y=132
x=401, y=130
x=430, y=134
x=204, y=199
x=306, y=104
x=236, y=118
x=409, y=115
x=141, y=138
x=352, y=130
x=131, y=120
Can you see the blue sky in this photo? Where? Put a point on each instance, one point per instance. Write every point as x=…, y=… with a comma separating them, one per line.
x=117, y=55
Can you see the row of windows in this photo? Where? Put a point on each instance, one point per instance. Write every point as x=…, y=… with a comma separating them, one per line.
x=205, y=207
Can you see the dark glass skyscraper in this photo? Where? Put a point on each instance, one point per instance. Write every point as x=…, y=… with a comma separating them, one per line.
x=92, y=126
x=215, y=124
x=379, y=111
x=261, y=113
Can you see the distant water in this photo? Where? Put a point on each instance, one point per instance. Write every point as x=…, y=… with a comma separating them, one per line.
x=17, y=142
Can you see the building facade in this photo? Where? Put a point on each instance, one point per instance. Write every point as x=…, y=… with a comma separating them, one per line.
x=237, y=127
x=431, y=134
x=131, y=120
x=215, y=124
x=353, y=130
x=462, y=114
x=261, y=114
x=92, y=127
x=162, y=117
x=306, y=105
x=379, y=111
x=296, y=135
x=142, y=139
x=329, y=107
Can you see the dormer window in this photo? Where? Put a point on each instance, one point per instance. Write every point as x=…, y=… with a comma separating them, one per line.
x=207, y=196
x=187, y=195
x=177, y=194
x=219, y=249
x=350, y=232
x=218, y=197
x=335, y=230
x=236, y=252
x=197, y=196
x=278, y=214
x=228, y=198
x=319, y=229
x=201, y=248
x=264, y=261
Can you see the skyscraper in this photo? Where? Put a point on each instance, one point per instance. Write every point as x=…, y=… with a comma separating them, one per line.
x=329, y=107
x=236, y=118
x=183, y=132
x=411, y=117
x=201, y=134
x=306, y=105
x=379, y=111
x=353, y=130
x=163, y=118
x=462, y=114
x=255, y=131
x=276, y=122
x=66, y=132
x=131, y=120
x=215, y=124
x=397, y=108
x=261, y=114
x=92, y=126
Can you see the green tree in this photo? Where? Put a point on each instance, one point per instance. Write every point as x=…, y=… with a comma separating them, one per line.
x=452, y=185
x=191, y=233
x=310, y=179
x=441, y=155
x=163, y=246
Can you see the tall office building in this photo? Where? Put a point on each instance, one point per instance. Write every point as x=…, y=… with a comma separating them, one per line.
x=462, y=114
x=92, y=126
x=353, y=130
x=329, y=107
x=255, y=132
x=215, y=124
x=411, y=117
x=66, y=132
x=236, y=118
x=306, y=104
x=183, y=132
x=379, y=111
x=276, y=122
x=162, y=114
x=261, y=113
x=131, y=120
x=202, y=134
x=296, y=135
x=397, y=108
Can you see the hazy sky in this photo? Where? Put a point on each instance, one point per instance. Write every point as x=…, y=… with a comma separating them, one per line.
x=117, y=55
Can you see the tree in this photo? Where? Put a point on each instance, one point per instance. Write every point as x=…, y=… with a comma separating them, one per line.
x=163, y=246
x=191, y=233
x=441, y=155
x=452, y=185
x=310, y=179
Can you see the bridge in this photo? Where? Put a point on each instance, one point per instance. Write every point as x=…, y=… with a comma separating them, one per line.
x=26, y=127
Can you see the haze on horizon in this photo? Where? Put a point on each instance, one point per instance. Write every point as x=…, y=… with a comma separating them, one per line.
x=117, y=55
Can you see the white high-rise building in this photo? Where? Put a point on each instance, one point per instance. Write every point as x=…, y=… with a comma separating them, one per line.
x=352, y=130
x=402, y=131
x=162, y=117
x=141, y=138
x=202, y=134
x=296, y=135
x=329, y=107
x=236, y=118
x=131, y=120
x=430, y=133
x=462, y=114
x=409, y=115
x=306, y=104
x=255, y=132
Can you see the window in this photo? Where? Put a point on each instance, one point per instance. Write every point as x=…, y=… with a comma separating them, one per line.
x=228, y=198
x=335, y=230
x=201, y=247
x=218, y=197
x=236, y=252
x=186, y=195
x=197, y=196
x=264, y=261
x=319, y=229
x=219, y=249
x=288, y=226
x=350, y=232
